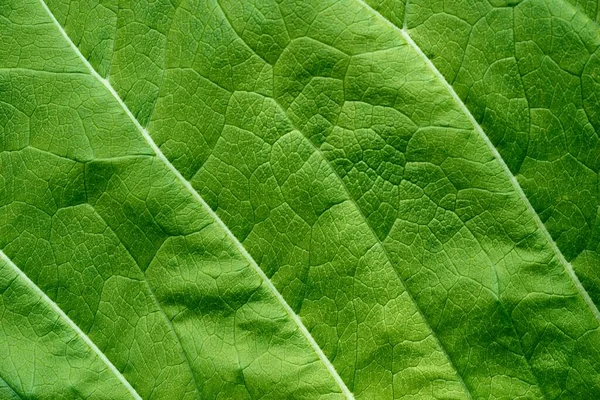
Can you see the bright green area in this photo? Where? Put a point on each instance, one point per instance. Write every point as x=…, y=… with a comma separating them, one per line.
x=397, y=258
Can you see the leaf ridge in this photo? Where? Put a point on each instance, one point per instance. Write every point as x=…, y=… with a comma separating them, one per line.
x=207, y=208
x=513, y=180
x=71, y=324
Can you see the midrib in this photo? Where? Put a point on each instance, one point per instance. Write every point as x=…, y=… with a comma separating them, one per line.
x=207, y=208
x=70, y=323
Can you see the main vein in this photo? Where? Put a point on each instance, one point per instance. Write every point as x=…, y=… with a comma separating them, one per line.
x=70, y=323
x=513, y=180
x=208, y=209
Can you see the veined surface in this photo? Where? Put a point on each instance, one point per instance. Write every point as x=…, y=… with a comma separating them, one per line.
x=299, y=199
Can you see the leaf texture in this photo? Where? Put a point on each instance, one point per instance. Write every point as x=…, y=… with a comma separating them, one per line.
x=299, y=199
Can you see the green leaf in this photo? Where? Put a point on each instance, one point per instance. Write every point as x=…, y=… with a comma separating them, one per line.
x=299, y=199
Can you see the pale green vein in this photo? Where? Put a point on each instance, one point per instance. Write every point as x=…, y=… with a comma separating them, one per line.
x=568, y=267
x=70, y=324
x=208, y=209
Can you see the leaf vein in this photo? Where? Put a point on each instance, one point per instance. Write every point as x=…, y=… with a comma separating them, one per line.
x=208, y=209
x=70, y=323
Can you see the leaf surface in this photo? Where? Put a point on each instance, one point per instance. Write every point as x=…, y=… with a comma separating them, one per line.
x=299, y=199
